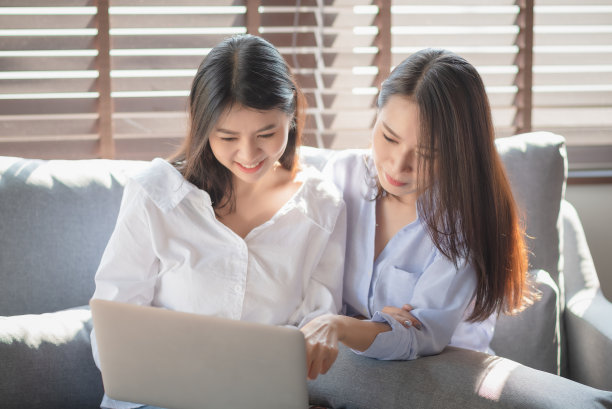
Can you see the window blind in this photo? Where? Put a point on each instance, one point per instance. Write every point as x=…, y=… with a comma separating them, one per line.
x=572, y=78
x=48, y=93
x=546, y=67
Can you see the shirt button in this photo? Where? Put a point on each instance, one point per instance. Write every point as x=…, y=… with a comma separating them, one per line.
x=238, y=288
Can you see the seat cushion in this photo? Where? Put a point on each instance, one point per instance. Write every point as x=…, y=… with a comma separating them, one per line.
x=47, y=361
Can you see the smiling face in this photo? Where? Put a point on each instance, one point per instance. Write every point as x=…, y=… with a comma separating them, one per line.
x=249, y=142
x=394, y=146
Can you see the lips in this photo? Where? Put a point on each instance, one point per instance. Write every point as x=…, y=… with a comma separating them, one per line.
x=394, y=182
x=250, y=168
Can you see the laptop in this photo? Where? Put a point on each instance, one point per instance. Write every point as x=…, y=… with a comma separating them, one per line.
x=179, y=360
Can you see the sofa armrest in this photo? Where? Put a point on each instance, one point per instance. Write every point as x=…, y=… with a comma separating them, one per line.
x=587, y=312
x=47, y=361
x=456, y=378
x=589, y=336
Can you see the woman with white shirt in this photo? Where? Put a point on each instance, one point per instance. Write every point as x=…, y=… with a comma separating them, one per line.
x=435, y=249
x=230, y=226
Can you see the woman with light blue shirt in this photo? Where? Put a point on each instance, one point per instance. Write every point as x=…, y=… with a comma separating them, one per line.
x=434, y=247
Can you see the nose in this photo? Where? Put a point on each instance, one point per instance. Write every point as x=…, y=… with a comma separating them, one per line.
x=249, y=150
x=404, y=161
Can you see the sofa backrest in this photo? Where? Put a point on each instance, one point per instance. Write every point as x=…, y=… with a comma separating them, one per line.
x=55, y=219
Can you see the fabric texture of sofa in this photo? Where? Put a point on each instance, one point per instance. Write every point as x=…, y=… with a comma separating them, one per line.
x=56, y=217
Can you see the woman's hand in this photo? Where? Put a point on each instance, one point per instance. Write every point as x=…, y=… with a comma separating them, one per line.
x=403, y=316
x=321, y=336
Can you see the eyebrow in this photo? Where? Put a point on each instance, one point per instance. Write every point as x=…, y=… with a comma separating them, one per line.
x=265, y=128
x=390, y=130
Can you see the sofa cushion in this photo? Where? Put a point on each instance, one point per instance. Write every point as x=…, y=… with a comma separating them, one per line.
x=536, y=164
x=538, y=328
x=57, y=216
x=47, y=361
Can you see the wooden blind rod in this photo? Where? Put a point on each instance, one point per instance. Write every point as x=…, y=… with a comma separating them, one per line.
x=103, y=64
x=253, y=18
x=524, y=61
x=383, y=41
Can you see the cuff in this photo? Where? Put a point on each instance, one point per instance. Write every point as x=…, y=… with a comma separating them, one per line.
x=390, y=345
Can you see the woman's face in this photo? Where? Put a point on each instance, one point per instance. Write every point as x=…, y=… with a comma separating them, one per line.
x=394, y=146
x=249, y=142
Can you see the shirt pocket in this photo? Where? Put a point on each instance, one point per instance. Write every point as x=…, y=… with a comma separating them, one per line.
x=396, y=287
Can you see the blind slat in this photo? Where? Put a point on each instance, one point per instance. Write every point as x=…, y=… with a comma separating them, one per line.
x=176, y=20
x=51, y=85
x=57, y=125
x=47, y=106
x=14, y=22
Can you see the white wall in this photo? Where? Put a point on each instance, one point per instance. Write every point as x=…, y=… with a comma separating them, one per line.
x=594, y=206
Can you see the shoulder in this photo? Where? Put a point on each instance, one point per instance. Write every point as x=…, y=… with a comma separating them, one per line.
x=347, y=160
x=319, y=198
x=351, y=171
x=162, y=184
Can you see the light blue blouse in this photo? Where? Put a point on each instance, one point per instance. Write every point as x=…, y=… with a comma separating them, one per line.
x=409, y=270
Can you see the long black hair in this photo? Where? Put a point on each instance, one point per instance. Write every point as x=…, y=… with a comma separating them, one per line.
x=464, y=195
x=241, y=70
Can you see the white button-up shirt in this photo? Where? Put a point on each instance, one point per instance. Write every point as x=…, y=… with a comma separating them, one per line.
x=409, y=270
x=169, y=250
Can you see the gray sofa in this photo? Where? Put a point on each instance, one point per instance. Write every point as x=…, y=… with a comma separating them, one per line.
x=56, y=216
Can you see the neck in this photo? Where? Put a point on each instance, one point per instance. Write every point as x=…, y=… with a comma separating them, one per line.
x=408, y=200
x=244, y=189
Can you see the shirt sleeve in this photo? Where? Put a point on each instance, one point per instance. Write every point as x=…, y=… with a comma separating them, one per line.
x=440, y=299
x=128, y=267
x=324, y=290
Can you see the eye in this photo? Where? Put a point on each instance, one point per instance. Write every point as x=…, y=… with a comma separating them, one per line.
x=228, y=139
x=268, y=135
x=388, y=139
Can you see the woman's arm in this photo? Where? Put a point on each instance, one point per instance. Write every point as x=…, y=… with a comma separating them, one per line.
x=324, y=332
x=323, y=292
x=128, y=265
x=127, y=270
x=323, y=297
x=441, y=297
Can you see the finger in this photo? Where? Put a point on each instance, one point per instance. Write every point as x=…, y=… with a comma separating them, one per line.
x=315, y=368
x=407, y=307
x=414, y=323
x=389, y=310
x=309, y=360
x=329, y=360
x=408, y=321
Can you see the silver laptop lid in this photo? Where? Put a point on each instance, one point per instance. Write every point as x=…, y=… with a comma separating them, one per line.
x=179, y=360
